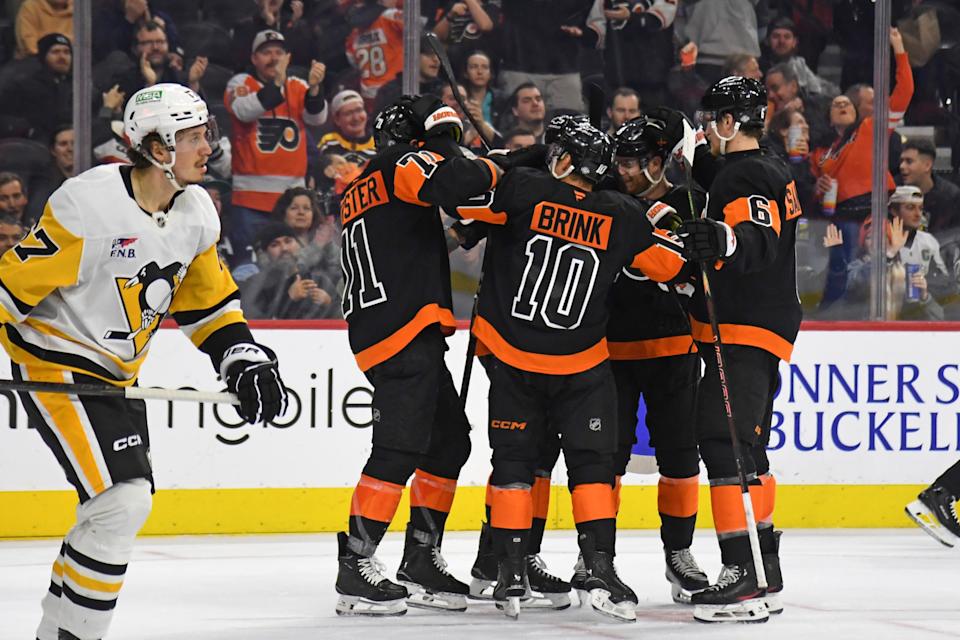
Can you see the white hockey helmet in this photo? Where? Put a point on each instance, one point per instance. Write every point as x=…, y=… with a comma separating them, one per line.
x=163, y=109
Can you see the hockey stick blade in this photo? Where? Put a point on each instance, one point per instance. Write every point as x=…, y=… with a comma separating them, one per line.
x=451, y=79
x=595, y=103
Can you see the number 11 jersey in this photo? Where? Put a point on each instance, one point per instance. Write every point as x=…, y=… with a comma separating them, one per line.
x=553, y=253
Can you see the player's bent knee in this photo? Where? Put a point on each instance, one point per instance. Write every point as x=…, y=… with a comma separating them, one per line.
x=122, y=509
x=717, y=454
x=511, y=472
x=678, y=463
x=391, y=465
x=588, y=467
x=450, y=460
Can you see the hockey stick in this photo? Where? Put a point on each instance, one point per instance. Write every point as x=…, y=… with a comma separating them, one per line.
x=689, y=143
x=595, y=102
x=447, y=72
x=129, y=393
x=451, y=79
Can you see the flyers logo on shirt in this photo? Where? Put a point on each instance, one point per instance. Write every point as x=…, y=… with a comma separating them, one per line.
x=146, y=298
x=277, y=132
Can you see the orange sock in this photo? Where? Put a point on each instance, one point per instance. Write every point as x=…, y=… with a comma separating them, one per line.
x=541, y=497
x=593, y=502
x=511, y=508
x=616, y=494
x=678, y=497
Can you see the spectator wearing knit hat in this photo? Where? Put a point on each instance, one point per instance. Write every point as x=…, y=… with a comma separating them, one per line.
x=45, y=99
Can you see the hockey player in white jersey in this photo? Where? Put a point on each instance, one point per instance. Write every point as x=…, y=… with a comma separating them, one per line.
x=116, y=249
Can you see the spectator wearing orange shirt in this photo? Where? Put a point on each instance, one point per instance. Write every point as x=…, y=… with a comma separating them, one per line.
x=849, y=159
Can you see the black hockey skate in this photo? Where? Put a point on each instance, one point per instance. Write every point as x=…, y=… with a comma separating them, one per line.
x=935, y=511
x=423, y=571
x=579, y=581
x=546, y=590
x=484, y=571
x=511, y=585
x=609, y=595
x=734, y=598
x=684, y=575
x=63, y=634
x=363, y=589
x=771, y=567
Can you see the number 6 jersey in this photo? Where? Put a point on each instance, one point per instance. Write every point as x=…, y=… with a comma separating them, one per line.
x=553, y=253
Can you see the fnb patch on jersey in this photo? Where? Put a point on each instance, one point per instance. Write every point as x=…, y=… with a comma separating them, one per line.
x=576, y=225
x=365, y=193
x=122, y=248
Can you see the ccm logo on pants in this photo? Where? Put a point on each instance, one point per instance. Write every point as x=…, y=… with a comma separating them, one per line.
x=126, y=443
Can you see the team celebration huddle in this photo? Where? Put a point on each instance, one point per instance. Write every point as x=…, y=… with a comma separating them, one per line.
x=654, y=263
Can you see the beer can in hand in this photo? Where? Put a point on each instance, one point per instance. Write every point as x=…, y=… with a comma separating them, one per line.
x=912, y=293
x=829, y=205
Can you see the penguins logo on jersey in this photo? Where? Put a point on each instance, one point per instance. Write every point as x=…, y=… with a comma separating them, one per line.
x=146, y=298
x=277, y=132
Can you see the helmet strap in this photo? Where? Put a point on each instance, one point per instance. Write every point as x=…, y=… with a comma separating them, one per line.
x=725, y=140
x=653, y=183
x=553, y=168
x=166, y=167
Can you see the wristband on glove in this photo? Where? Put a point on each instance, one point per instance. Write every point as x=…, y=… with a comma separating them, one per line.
x=242, y=352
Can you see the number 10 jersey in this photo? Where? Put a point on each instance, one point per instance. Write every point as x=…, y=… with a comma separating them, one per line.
x=553, y=254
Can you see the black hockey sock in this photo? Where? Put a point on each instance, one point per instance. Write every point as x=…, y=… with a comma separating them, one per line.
x=509, y=542
x=677, y=533
x=951, y=479
x=367, y=530
x=604, y=533
x=536, y=536
x=735, y=549
x=428, y=520
x=768, y=540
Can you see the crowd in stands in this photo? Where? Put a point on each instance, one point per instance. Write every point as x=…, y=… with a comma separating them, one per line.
x=296, y=85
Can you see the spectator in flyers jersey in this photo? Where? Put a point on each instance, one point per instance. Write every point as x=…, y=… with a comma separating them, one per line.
x=269, y=112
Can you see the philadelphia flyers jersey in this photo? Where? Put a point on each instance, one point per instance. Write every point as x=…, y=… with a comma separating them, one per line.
x=553, y=252
x=648, y=319
x=393, y=252
x=377, y=51
x=87, y=288
x=755, y=292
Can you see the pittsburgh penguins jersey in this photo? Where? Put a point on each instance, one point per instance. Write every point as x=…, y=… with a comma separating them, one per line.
x=87, y=288
x=553, y=252
x=754, y=291
x=648, y=319
x=393, y=252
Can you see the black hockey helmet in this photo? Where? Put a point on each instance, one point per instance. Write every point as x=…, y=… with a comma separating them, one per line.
x=590, y=149
x=744, y=98
x=642, y=138
x=552, y=130
x=414, y=117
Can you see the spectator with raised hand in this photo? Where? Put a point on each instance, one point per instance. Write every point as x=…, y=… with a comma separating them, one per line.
x=269, y=113
x=471, y=137
x=318, y=235
x=282, y=290
x=541, y=45
x=153, y=63
x=848, y=159
x=273, y=15
x=720, y=28
x=640, y=30
x=37, y=18
x=478, y=80
x=466, y=25
x=788, y=135
x=375, y=49
x=941, y=198
x=11, y=232
x=13, y=197
x=116, y=23
x=45, y=99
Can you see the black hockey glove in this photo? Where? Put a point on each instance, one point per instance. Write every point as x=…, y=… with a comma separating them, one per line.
x=534, y=156
x=706, y=240
x=251, y=372
x=469, y=234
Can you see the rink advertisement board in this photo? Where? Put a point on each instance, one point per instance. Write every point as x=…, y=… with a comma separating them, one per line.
x=862, y=419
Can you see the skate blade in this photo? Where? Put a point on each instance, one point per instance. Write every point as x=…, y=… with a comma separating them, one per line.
x=583, y=596
x=621, y=612
x=482, y=589
x=534, y=600
x=681, y=595
x=748, y=611
x=927, y=521
x=773, y=603
x=510, y=607
x=439, y=601
x=357, y=606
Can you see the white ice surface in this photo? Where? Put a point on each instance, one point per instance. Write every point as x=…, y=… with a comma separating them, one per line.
x=839, y=584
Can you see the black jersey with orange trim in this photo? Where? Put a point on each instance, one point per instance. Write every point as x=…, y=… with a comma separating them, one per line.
x=393, y=253
x=553, y=252
x=755, y=291
x=648, y=319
